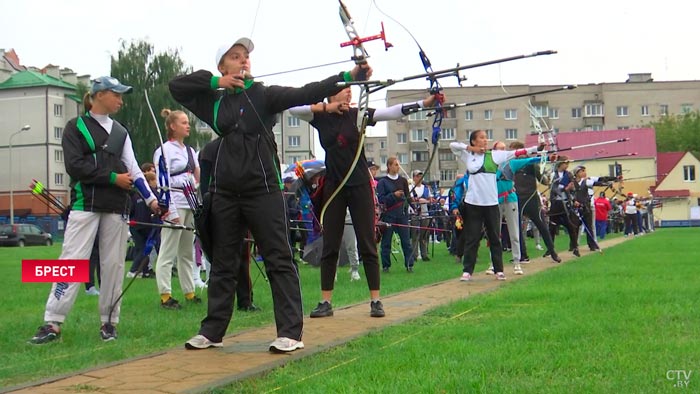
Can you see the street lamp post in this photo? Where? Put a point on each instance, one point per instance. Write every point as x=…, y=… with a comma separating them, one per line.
x=12, y=201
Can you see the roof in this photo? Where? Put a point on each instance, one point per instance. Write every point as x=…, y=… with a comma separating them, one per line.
x=665, y=163
x=642, y=142
x=30, y=79
x=671, y=193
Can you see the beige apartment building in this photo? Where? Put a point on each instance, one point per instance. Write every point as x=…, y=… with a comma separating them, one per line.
x=593, y=107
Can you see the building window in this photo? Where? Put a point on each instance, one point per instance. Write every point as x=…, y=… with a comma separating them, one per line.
x=554, y=113
x=540, y=111
x=293, y=121
x=294, y=159
x=448, y=134
x=418, y=116
x=489, y=134
x=58, y=110
x=622, y=111
x=448, y=175
x=576, y=112
x=663, y=109
x=686, y=108
x=645, y=110
x=689, y=173
x=58, y=133
x=382, y=160
x=469, y=115
x=58, y=155
x=488, y=114
x=293, y=140
x=369, y=147
x=511, y=134
x=594, y=109
x=450, y=113
x=402, y=158
x=623, y=127
x=446, y=155
x=400, y=138
x=382, y=144
x=597, y=127
x=420, y=155
x=417, y=135
x=511, y=114
x=58, y=178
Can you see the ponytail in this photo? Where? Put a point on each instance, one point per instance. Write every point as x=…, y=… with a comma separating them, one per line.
x=87, y=102
x=170, y=118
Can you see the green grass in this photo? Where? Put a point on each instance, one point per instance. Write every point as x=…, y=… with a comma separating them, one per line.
x=145, y=328
x=615, y=322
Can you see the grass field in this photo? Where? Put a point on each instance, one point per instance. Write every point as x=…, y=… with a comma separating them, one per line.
x=612, y=322
x=616, y=322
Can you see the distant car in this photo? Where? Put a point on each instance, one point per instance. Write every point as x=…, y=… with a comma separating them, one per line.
x=23, y=235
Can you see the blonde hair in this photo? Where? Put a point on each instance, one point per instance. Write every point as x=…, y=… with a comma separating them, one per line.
x=390, y=160
x=170, y=118
x=87, y=102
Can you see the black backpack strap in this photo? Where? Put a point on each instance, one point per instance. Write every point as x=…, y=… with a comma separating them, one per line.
x=116, y=139
x=190, y=163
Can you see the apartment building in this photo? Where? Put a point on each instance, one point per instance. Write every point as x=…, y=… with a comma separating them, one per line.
x=632, y=104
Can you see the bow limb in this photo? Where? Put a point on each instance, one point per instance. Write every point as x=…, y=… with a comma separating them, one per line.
x=163, y=194
x=360, y=56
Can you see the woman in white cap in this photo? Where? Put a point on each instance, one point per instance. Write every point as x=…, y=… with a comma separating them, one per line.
x=100, y=161
x=245, y=188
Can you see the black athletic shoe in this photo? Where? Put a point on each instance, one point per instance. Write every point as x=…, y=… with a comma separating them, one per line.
x=576, y=252
x=376, y=309
x=409, y=270
x=555, y=257
x=171, y=303
x=323, y=309
x=108, y=332
x=249, y=308
x=45, y=334
x=193, y=300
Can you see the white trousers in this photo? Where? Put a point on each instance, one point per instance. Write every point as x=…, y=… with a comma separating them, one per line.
x=81, y=229
x=509, y=210
x=176, y=244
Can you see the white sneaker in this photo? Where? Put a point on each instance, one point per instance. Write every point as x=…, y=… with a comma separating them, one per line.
x=201, y=342
x=517, y=270
x=130, y=274
x=539, y=247
x=466, y=277
x=92, y=291
x=354, y=275
x=500, y=276
x=490, y=271
x=199, y=284
x=285, y=345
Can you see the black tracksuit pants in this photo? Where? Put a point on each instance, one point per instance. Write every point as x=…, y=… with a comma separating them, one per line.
x=266, y=217
x=560, y=215
x=477, y=217
x=361, y=203
x=530, y=207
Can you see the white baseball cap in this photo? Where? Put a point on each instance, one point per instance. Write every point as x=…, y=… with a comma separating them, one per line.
x=247, y=43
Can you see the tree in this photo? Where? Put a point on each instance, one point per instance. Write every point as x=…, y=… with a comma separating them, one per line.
x=137, y=65
x=676, y=133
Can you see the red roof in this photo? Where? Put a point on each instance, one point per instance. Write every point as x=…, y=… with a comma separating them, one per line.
x=641, y=141
x=671, y=193
x=665, y=163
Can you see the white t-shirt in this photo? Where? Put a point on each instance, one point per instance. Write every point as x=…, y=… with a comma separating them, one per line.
x=176, y=160
x=419, y=190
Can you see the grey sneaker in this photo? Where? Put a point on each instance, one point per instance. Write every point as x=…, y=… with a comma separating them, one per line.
x=376, y=309
x=285, y=345
x=45, y=334
x=199, y=342
x=108, y=332
x=323, y=309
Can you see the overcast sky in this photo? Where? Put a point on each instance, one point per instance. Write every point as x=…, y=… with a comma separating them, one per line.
x=597, y=40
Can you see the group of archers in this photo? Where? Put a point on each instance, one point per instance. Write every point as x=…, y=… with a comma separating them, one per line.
x=240, y=174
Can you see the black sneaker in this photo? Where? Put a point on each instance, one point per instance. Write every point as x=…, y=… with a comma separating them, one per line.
x=385, y=269
x=376, y=309
x=45, y=334
x=108, y=332
x=409, y=270
x=193, y=300
x=171, y=303
x=555, y=257
x=576, y=252
x=249, y=308
x=324, y=309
